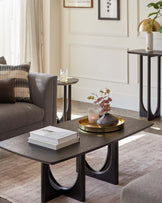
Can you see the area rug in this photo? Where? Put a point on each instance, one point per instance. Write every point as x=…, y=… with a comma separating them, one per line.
x=138, y=155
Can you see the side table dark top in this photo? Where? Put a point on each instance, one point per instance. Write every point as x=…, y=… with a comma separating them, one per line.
x=146, y=111
x=88, y=142
x=66, y=105
x=144, y=53
x=70, y=81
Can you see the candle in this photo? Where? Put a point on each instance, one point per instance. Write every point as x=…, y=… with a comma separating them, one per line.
x=63, y=75
x=93, y=114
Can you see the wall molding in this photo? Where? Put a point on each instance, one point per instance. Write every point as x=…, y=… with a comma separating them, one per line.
x=95, y=34
x=103, y=47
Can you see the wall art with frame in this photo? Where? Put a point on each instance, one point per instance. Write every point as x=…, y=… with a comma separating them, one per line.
x=78, y=3
x=108, y=10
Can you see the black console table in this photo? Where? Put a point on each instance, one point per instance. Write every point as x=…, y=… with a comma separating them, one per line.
x=67, y=107
x=143, y=112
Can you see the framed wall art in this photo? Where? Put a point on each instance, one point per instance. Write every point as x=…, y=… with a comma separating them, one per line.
x=108, y=10
x=78, y=3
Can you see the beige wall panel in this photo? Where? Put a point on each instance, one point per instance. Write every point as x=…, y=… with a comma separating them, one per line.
x=99, y=63
x=85, y=21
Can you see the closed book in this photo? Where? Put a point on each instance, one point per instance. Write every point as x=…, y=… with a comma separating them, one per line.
x=56, y=134
x=53, y=146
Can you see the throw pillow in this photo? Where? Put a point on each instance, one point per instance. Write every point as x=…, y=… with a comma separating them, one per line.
x=7, y=94
x=20, y=73
x=3, y=60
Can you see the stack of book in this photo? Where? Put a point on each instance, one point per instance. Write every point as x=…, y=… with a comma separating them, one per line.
x=53, y=137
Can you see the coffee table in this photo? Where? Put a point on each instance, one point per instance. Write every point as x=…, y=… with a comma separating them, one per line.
x=50, y=188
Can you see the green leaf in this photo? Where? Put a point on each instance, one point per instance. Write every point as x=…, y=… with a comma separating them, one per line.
x=155, y=13
x=160, y=30
x=159, y=3
x=151, y=4
x=156, y=6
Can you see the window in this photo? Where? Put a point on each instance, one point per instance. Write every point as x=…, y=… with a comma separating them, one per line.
x=12, y=26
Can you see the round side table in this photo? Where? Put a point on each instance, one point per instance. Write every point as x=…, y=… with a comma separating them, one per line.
x=66, y=106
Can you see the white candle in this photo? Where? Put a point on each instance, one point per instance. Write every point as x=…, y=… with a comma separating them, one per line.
x=93, y=114
x=63, y=75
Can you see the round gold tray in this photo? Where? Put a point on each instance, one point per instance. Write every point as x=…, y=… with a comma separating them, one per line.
x=88, y=127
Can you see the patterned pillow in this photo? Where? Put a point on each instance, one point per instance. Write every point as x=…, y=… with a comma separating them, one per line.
x=3, y=60
x=20, y=73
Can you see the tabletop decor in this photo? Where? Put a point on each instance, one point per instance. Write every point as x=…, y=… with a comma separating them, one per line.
x=93, y=114
x=108, y=10
x=151, y=25
x=63, y=75
x=78, y=3
x=103, y=101
x=156, y=14
x=86, y=126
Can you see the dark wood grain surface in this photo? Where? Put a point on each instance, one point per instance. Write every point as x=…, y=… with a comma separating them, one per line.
x=70, y=81
x=144, y=53
x=88, y=142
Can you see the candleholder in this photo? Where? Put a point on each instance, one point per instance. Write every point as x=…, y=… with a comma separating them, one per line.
x=63, y=75
x=93, y=115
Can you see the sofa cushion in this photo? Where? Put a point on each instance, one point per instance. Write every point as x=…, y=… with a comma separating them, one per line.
x=21, y=73
x=7, y=94
x=19, y=114
x=146, y=189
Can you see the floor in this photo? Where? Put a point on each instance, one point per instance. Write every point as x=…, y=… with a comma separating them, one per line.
x=80, y=108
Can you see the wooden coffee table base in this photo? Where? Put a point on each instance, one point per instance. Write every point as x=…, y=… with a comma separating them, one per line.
x=88, y=143
x=109, y=173
x=51, y=189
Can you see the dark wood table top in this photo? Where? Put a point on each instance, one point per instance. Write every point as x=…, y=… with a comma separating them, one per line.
x=70, y=81
x=145, y=53
x=88, y=142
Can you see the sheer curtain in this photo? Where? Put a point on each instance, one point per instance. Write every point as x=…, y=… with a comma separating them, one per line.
x=35, y=35
x=21, y=36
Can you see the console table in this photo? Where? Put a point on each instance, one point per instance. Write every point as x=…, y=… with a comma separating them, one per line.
x=67, y=107
x=143, y=111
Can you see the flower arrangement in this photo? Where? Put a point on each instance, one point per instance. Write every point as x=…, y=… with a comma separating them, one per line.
x=103, y=100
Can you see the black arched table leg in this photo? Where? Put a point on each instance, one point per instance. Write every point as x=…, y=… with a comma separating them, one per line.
x=51, y=189
x=109, y=171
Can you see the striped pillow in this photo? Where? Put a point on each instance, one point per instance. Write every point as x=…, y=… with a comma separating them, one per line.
x=20, y=73
x=2, y=60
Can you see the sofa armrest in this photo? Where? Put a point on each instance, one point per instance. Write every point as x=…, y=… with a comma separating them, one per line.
x=43, y=91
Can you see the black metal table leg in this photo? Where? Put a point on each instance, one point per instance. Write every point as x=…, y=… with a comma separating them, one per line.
x=143, y=111
x=157, y=112
x=67, y=107
x=149, y=113
x=64, y=116
x=69, y=103
x=109, y=172
x=51, y=189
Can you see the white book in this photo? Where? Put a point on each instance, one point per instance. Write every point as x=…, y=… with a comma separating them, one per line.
x=55, y=134
x=52, y=146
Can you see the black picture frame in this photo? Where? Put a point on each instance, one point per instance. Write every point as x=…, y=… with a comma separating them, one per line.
x=105, y=9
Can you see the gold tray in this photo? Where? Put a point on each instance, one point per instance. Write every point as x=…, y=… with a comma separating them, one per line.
x=88, y=127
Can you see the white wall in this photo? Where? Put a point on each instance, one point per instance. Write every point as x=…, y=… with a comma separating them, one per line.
x=95, y=51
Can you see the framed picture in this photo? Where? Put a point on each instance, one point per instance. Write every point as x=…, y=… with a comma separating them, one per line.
x=78, y=3
x=108, y=10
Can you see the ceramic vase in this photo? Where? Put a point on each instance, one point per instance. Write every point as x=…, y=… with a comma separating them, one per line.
x=107, y=120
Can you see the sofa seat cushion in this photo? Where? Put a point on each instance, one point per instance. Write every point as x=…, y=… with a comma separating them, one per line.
x=19, y=114
x=146, y=189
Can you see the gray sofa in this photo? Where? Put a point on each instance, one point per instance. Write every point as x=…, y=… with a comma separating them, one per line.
x=22, y=117
x=146, y=189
